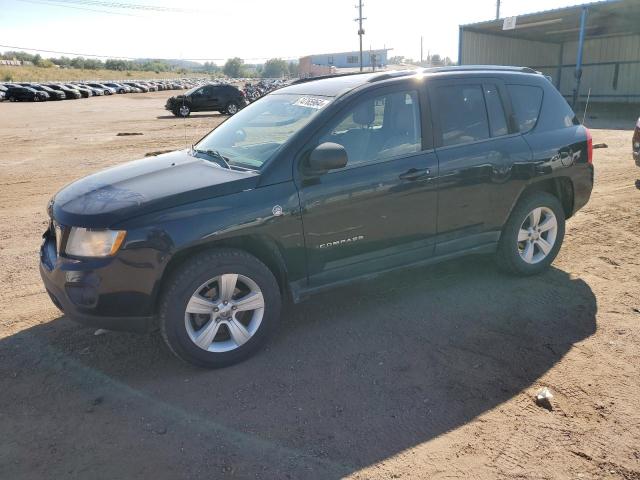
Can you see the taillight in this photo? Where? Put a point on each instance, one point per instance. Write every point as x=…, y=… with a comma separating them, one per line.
x=589, y=146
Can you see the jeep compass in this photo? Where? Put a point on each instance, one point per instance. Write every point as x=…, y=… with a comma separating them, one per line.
x=315, y=185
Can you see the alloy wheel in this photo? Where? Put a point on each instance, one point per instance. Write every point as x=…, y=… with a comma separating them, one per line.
x=224, y=313
x=537, y=235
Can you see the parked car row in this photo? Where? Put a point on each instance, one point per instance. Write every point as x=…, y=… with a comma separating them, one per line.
x=43, y=91
x=254, y=91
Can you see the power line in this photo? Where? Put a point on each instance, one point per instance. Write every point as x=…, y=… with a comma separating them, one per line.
x=132, y=58
x=133, y=6
x=51, y=4
x=66, y=53
x=125, y=5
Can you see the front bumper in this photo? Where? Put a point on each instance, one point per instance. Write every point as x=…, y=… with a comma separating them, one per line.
x=95, y=292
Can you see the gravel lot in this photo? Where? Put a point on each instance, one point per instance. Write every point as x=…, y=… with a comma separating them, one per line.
x=427, y=373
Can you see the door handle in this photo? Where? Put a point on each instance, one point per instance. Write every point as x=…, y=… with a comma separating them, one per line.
x=415, y=174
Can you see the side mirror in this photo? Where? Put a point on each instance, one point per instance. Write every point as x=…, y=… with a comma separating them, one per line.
x=327, y=156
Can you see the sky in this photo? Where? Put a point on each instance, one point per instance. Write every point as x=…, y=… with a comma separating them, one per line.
x=251, y=29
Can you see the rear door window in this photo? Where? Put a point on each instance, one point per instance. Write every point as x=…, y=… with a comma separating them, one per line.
x=462, y=114
x=526, y=101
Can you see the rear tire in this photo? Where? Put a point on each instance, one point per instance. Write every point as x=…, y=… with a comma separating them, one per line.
x=533, y=235
x=219, y=307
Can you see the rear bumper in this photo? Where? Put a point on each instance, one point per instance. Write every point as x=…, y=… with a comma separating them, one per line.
x=582, y=185
x=84, y=291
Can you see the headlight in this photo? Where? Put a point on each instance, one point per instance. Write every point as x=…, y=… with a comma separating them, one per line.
x=83, y=242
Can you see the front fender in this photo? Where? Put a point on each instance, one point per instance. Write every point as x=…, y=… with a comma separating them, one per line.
x=269, y=212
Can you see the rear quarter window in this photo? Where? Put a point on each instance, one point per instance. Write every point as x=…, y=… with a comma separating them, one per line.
x=527, y=102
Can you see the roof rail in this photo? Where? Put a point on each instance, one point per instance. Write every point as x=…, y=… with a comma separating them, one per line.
x=322, y=77
x=392, y=74
x=465, y=68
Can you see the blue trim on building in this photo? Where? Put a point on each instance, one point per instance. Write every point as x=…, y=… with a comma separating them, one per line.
x=578, y=73
x=460, y=38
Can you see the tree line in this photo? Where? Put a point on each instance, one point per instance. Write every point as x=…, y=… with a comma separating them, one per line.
x=89, y=63
x=272, y=68
x=234, y=67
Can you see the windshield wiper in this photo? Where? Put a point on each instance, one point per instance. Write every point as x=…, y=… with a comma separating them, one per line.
x=222, y=160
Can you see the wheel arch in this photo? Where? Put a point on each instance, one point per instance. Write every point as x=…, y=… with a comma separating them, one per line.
x=560, y=187
x=263, y=248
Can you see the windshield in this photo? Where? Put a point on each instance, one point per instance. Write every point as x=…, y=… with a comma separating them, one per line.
x=253, y=135
x=191, y=90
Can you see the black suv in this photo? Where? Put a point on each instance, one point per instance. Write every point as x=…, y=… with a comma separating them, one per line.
x=316, y=185
x=53, y=94
x=220, y=98
x=18, y=93
x=70, y=93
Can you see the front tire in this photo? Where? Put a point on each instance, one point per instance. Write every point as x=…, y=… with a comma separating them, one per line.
x=183, y=111
x=231, y=108
x=533, y=235
x=219, y=307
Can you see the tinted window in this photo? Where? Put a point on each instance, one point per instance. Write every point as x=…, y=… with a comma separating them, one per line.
x=526, y=101
x=495, y=109
x=463, y=116
x=379, y=128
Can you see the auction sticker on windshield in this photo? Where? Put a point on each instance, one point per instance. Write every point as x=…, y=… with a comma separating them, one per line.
x=311, y=102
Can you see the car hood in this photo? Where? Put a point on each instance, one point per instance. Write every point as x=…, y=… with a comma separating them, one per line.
x=144, y=186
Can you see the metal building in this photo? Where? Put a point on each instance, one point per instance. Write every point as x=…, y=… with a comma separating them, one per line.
x=351, y=59
x=588, y=50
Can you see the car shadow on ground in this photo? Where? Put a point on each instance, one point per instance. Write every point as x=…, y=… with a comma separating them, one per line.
x=193, y=115
x=353, y=376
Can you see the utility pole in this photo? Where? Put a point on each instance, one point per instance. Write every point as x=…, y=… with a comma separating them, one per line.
x=360, y=29
x=497, y=9
x=421, y=60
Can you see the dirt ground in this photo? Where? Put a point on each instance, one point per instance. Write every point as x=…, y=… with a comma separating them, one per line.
x=427, y=373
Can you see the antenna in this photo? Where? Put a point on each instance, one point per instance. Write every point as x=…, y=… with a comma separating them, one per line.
x=586, y=105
